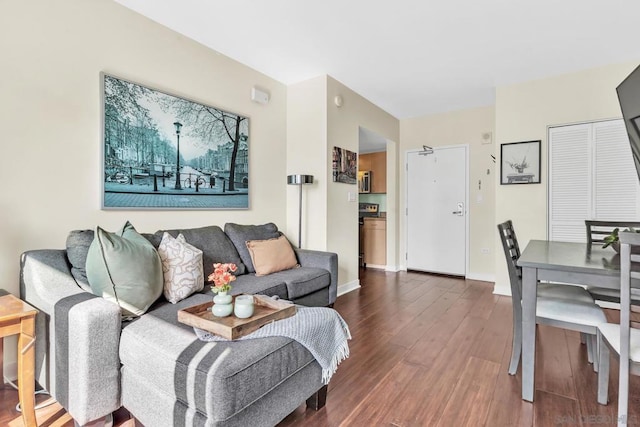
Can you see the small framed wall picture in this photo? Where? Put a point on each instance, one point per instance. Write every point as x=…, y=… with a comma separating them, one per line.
x=345, y=166
x=520, y=163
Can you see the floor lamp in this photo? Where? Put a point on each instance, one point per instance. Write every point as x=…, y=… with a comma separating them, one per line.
x=299, y=180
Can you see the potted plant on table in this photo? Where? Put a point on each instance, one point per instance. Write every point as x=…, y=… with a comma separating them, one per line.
x=613, y=239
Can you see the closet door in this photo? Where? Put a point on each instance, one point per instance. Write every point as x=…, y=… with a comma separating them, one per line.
x=591, y=176
x=616, y=185
x=569, y=182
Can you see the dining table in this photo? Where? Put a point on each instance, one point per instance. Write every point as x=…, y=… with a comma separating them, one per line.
x=558, y=262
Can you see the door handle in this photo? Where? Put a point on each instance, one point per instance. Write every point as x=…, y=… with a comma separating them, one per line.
x=460, y=211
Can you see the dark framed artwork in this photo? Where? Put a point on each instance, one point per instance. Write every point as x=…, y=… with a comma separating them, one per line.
x=520, y=163
x=345, y=166
x=162, y=151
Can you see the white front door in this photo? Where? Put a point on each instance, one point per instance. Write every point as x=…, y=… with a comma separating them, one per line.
x=437, y=210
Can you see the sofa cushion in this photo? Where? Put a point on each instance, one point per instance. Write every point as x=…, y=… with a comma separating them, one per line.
x=215, y=246
x=240, y=234
x=219, y=379
x=264, y=285
x=125, y=268
x=272, y=255
x=304, y=280
x=181, y=268
x=78, y=242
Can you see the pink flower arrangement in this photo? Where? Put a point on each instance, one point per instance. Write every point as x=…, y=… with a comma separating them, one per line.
x=222, y=277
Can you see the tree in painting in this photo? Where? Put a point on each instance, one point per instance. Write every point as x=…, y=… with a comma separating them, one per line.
x=208, y=123
x=150, y=135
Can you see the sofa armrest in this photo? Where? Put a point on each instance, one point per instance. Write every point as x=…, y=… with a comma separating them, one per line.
x=321, y=259
x=77, y=337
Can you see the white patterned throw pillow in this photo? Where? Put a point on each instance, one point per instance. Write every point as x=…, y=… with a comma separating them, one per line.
x=182, y=268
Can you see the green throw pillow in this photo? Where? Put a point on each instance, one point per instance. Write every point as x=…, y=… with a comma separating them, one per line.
x=125, y=268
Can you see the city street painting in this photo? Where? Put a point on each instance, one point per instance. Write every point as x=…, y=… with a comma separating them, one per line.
x=166, y=152
x=345, y=166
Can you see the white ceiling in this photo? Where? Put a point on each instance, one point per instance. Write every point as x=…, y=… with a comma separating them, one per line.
x=410, y=57
x=370, y=142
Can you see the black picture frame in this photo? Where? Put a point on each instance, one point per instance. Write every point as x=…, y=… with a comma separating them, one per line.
x=148, y=135
x=520, y=162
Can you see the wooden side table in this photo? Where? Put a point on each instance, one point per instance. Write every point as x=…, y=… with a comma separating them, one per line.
x=19, y=318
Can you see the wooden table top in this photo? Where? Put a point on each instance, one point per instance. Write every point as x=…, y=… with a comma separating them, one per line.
x=12, y=307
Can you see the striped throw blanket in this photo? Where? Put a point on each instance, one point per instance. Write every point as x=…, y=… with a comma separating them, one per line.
x=321, y=330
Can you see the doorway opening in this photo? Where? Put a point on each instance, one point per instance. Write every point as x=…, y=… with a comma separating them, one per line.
x=377, y=201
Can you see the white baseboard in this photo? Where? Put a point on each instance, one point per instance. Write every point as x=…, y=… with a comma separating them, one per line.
x=348, y=287
x=10, y=371
x=481, y=277
x=377, y=266
x=392, y=268
x=502, y=290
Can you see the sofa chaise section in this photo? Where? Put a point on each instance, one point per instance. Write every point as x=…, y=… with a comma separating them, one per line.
x=220, y=382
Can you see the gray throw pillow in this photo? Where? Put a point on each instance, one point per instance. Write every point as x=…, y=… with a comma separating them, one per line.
x=241, y=234
x=125, y=268
x=78, y=242
x=211, y=240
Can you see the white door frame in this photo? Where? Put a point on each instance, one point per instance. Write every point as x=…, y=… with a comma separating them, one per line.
x=466, y=202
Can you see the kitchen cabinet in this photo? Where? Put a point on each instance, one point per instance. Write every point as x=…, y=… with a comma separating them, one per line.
x=377, y=164
x=364, y=162
x=375, y=242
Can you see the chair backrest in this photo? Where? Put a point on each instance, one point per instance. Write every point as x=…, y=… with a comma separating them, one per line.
x=629, y=274
x=629, y=243
x=598, y=230
x=511, y=253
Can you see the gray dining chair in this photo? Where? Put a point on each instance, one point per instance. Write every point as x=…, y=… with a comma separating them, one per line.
x=564, y=306
x=621, y=339
x=596, y=232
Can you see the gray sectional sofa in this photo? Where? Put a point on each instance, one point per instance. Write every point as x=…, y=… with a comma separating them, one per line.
x=93, y=363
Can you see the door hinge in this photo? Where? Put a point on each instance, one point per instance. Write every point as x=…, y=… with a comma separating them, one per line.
x=406, y=211
x=406, y=256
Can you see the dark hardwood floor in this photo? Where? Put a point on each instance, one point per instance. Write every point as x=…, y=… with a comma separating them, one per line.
x=434, y=351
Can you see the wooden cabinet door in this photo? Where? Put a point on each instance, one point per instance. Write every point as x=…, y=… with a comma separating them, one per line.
x=375, y=242
x=364, y=162
x=379, y=172
x=377, y=164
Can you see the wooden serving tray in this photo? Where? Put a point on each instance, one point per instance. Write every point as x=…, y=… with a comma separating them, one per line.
x=265, y=310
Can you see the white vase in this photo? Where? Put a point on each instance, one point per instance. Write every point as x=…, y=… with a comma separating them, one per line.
x=222, y=306
x=243, y=307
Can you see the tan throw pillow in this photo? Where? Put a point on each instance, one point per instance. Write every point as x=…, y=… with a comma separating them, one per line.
x=270, y=256
x=181, y=266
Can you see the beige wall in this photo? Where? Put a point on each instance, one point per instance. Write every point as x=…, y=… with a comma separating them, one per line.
x=307, y=154
x=52, y=54
x=457, y=128
x=314, y=126
x=343, y=125
x=523, y=113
